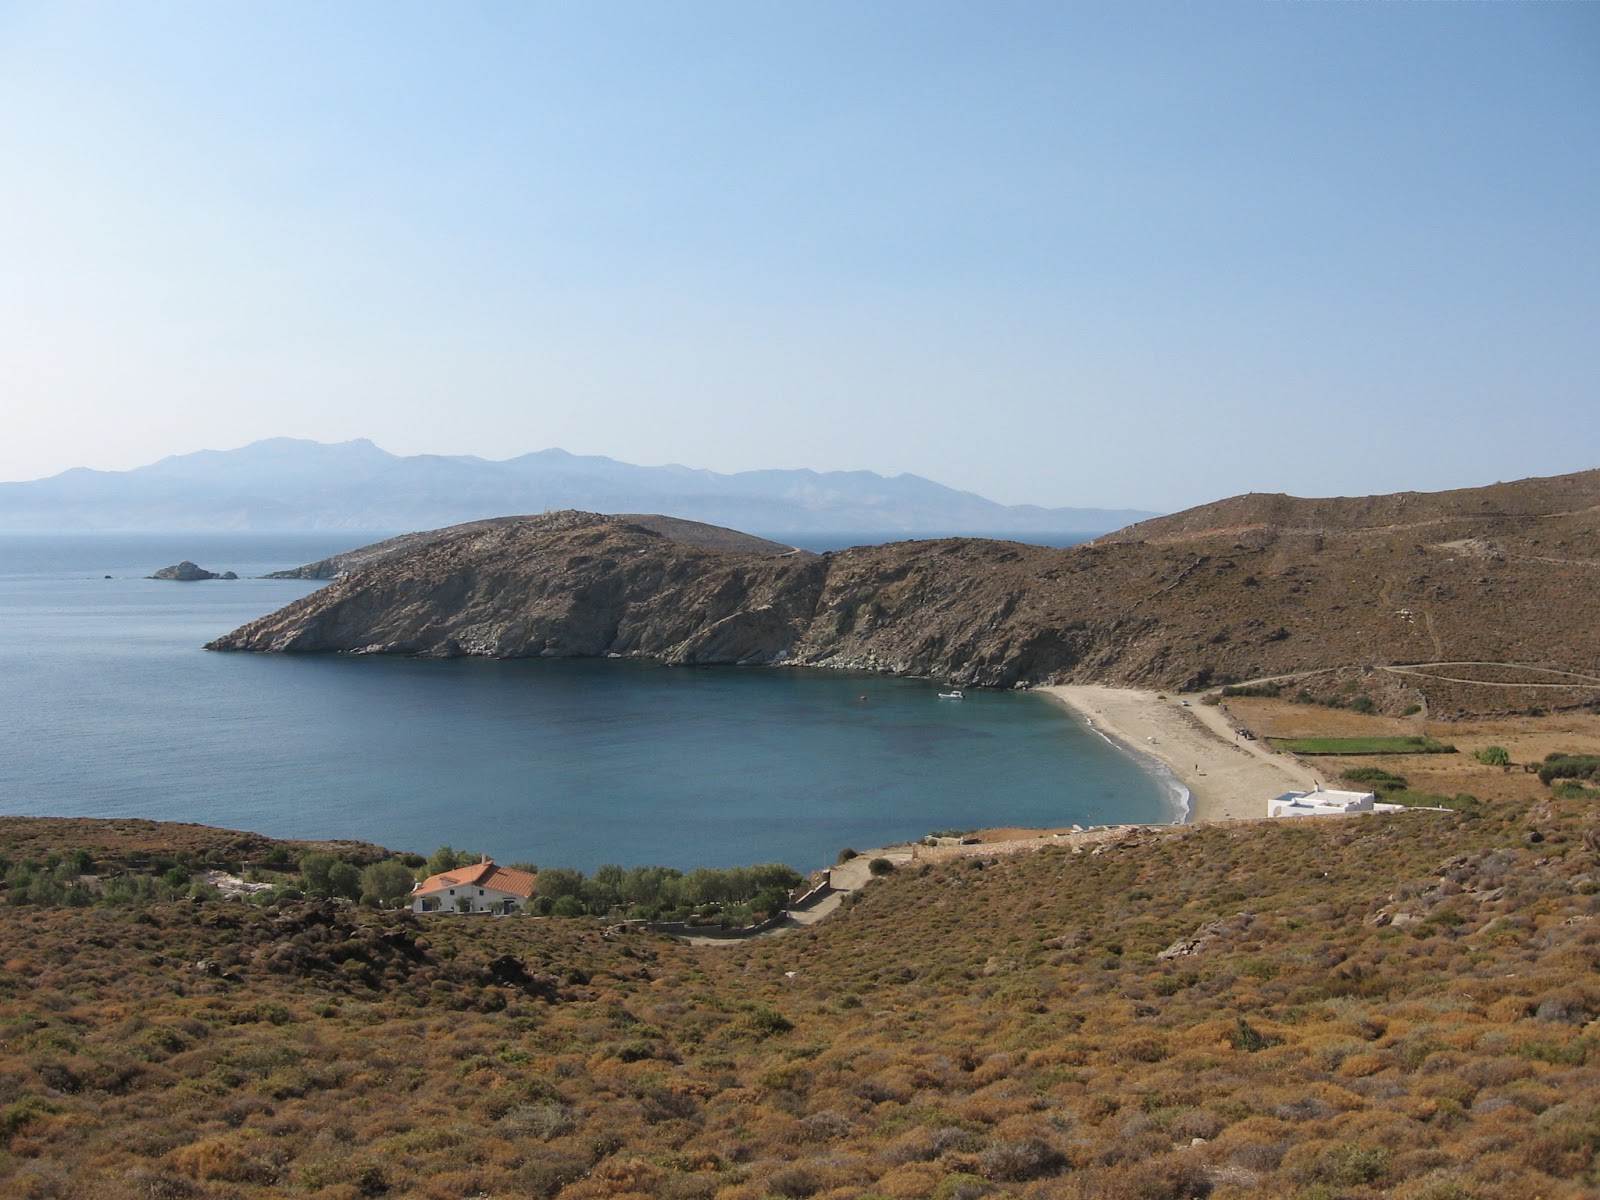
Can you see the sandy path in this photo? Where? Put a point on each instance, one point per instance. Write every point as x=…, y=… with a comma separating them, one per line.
x=1227, y=777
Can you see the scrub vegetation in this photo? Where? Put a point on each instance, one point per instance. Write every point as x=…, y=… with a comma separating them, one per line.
x=1396, y=1006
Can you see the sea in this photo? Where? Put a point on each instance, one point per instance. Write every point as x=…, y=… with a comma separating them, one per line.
x=110, y=707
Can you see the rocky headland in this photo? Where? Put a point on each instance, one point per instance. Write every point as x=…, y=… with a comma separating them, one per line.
x=1500, y=577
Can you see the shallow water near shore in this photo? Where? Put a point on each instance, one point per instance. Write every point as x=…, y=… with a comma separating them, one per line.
x=110, y=708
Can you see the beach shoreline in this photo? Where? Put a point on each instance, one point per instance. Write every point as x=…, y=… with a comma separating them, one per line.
x=1227, y=778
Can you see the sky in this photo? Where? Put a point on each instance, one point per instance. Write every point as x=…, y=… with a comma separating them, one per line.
x=1133, y=255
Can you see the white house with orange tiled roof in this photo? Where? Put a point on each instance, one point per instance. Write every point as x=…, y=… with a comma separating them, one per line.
x=482, y=887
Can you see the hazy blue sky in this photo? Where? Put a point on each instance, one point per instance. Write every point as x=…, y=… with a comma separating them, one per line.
x=1141, y=254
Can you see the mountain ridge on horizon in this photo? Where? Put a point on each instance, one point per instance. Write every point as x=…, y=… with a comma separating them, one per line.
x=283, y=483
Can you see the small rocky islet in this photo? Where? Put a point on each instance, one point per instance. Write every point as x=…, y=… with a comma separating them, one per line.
x=188, y=572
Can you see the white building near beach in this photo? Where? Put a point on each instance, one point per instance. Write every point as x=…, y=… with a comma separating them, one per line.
x=1321, y=802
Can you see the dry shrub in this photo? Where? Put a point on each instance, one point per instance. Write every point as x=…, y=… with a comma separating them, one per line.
x=992, y=1069
x=1496, y=1072
x=1016, y=1161
x=1359, y=1066
x=1176, y=1176
x=825, y=1126
x=1257, y=1143
x=1192, y=1123
x=229, y=1157
x=543, y=1120
x=1340, y=1164
x=1144, y=1049
x=545, y=1174
x=669, y=1104
x=160, y=1185
x=621, y=1176
x=795, y=1181
x=925, y=1143
x=45, y=1181
x=888, y=1087
x=1511, y=1008
x=1304, y=1108
x=449, y=1185
x=910, y=1180
x=1566, y=1142
x=1568, y=1006
x=1447, y=1183
x=236, y=1112
x=358, y=1176
x=1261, y=1156
x=962, y=1186
x=684, y=1186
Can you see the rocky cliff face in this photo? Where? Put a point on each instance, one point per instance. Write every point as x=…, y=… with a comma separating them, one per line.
x=558, y=585
x=1238, y=590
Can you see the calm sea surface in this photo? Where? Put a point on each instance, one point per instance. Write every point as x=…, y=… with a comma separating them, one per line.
x=110, y=708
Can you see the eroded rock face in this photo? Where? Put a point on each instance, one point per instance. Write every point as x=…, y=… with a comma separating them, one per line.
x=1223, y=598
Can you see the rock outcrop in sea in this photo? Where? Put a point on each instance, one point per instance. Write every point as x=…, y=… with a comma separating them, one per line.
x=1358, y=591
x=188, y=572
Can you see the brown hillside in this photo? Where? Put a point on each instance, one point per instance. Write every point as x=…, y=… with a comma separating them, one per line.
x=1246, y=588
x=1353, y=1008
x=1554, y=495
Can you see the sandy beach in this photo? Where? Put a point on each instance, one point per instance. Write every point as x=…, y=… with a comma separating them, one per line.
x=1227, y=777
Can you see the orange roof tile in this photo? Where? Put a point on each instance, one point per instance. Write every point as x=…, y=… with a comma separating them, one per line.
x=517, y=883
x=483, y=874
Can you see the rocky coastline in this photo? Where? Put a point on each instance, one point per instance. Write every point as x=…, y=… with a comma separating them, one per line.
x=1247, y=588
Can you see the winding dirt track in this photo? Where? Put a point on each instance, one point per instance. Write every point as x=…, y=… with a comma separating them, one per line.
x=1415, y=669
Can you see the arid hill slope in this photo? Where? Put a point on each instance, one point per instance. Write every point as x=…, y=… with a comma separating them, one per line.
x=1397, y=1007
x=1247, y=587
x=1549, y=497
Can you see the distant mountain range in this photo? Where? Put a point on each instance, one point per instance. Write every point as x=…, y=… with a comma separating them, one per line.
x=292, y=484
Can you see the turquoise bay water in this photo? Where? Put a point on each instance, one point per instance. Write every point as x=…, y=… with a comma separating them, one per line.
x=109, y=708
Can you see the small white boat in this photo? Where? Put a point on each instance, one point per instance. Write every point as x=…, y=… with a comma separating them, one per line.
x=951, y=696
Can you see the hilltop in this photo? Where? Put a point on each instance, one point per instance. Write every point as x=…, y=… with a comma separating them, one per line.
x=1498, y=583
x=691, y=533
x=1379, y=1006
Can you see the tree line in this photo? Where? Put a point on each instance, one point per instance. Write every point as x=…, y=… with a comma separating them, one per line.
x=735, y=894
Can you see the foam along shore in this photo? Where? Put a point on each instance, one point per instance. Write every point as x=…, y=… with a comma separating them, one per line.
x=1227, y=777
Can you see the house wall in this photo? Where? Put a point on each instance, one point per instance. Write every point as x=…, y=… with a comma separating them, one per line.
x=1320, y=803
x=483, y=899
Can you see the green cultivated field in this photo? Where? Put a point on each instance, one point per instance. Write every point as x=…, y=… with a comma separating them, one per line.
x=1363, y=745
